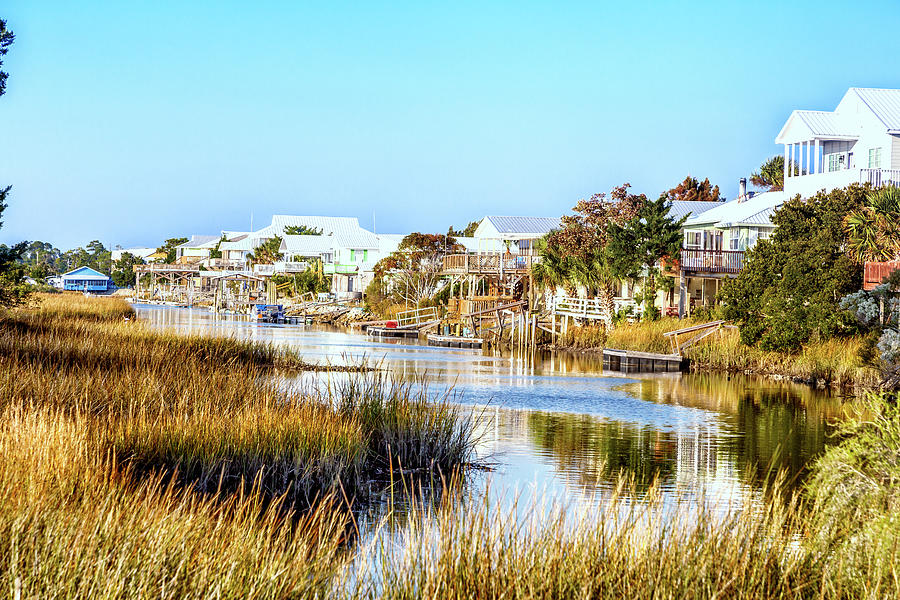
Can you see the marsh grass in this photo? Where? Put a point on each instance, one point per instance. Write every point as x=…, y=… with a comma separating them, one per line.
x=835, y=361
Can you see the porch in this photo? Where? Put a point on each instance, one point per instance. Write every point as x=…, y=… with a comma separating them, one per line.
x=493, y=263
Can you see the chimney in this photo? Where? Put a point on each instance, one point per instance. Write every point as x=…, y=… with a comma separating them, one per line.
x=743, y=187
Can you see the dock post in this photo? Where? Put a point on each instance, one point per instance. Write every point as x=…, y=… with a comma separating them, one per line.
x=553, y=327
x=534, y=331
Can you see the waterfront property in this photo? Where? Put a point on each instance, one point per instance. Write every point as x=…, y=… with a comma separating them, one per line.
x=197, y=249
x=857, y=142
x=86, y=279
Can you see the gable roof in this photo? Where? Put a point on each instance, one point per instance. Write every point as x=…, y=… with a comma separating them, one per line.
x=684, y=208
x=198, y=241
x=510, y=227
x=328, y=225
x=84, y=273
x=306, y=245
x=884, y=103
x=756, y=210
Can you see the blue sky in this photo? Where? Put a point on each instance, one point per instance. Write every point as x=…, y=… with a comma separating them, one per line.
x=130, y=122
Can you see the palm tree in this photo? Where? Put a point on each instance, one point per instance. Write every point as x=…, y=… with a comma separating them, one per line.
x=874, y=229
x=553, y=270
x=771, y=174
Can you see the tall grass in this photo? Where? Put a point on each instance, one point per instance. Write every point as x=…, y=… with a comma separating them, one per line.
x=144, y=464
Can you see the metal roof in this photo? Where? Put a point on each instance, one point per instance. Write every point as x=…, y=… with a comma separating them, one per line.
x=200, y=240
x=328, y=225
x=538, y=226
x=307, y=245
x=884, y=103
x=683, y=208
x=356, y=240
x=756, y=210
x=824, y=123
x=84, y=273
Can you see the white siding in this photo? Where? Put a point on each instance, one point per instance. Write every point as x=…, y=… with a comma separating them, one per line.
x=895, y=152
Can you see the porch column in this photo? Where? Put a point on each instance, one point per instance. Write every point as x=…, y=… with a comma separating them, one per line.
x=787, y=154
x=808, y=168
x=818, y=156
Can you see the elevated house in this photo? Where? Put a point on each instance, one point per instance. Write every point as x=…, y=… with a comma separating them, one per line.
x=197, y=249
x=857, y=142
x=86, y=279
x=715, y=241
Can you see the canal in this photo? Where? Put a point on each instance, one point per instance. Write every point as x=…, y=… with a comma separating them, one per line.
x=557, y=426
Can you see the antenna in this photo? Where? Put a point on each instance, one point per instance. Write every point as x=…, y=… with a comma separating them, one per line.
x=251, y=221
x=374, y=229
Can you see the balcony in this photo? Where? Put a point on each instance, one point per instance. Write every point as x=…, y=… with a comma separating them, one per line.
x=489, y=264
x=727, y=262
x=221, y=264
x=809, y=184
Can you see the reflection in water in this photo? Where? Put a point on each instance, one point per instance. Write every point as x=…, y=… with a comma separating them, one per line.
x=558, y=425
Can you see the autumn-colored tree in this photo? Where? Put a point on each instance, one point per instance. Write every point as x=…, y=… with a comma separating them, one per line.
x=580, y=246
x=413, y=272
x=694, y=190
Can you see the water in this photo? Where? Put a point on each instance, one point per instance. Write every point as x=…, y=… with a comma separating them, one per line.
x=556, y=426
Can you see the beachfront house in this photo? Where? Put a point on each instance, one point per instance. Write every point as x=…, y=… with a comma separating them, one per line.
x=86, y=279
x=857, y=142
x=196, y=250
x=513, y=235
x=715, y=241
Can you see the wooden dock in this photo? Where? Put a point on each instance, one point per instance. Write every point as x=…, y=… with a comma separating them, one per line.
x=392, y=332
x=454, y=341
x=629, y=361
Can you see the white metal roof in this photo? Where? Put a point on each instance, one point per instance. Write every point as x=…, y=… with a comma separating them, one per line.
x=361, y=239
x=306, y=245
x=884, y=103
x=198, y=241
x=328, y=225
x=245, y=243
x=522, y=227
x=683, y=208
x=753, y=211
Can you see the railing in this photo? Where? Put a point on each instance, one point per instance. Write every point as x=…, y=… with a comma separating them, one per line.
x=163, y=267
x=488, y=263
x=880, y=177
x=264, y=269
x=586, y=308
x=417, y=316
x=223, y=264
x=875, y=272
x=712, y=261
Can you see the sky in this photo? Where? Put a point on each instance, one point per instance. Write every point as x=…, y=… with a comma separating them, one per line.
x=131, y=122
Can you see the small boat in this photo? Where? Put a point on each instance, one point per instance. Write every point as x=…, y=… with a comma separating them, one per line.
x=454, y=341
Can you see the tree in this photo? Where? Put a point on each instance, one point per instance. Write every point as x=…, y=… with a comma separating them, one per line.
x=414, y=269
x=694, y=190
x=770, y=176
x=169, y=248
x=301, y=230
x=579, y=247
x=788, y=290
x=216, y=252
x=469, y=231
x=123, y=274
x=873, y=230
x=12, y=289
x=637, y=245
x=7, y=38
x=267, y=252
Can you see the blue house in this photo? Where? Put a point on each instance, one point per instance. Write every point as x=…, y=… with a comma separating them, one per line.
x=86, y=279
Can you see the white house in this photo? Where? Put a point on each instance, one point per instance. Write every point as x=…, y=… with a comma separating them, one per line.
x=197, y=249
x=514, y=234
x=857, y=142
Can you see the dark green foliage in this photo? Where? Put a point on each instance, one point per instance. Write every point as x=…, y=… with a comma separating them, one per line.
x=636, y=247
x=301, y=230
x=469, y=231
x=789, y=289
x=216, y=252
x=268, y=252
x=7, y=38
x=169, y=248
x=311, y=280
x=123, y=274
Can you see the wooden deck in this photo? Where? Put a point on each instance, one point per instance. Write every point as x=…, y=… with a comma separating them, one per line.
x=492, y=263
x=711, y=261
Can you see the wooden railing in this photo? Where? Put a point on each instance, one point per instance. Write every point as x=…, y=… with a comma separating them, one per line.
x=712, y=261
x=489, y=263
x=225, y=264
x=163, y=268
x=586, y=308
x=880, y=177
x=417, y=316
x=875, y=272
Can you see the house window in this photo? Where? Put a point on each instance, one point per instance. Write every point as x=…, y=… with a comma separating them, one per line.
x=874, y=158
x=692, y=240
x=734, y=239
x=352, y=255
x=365, y=256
